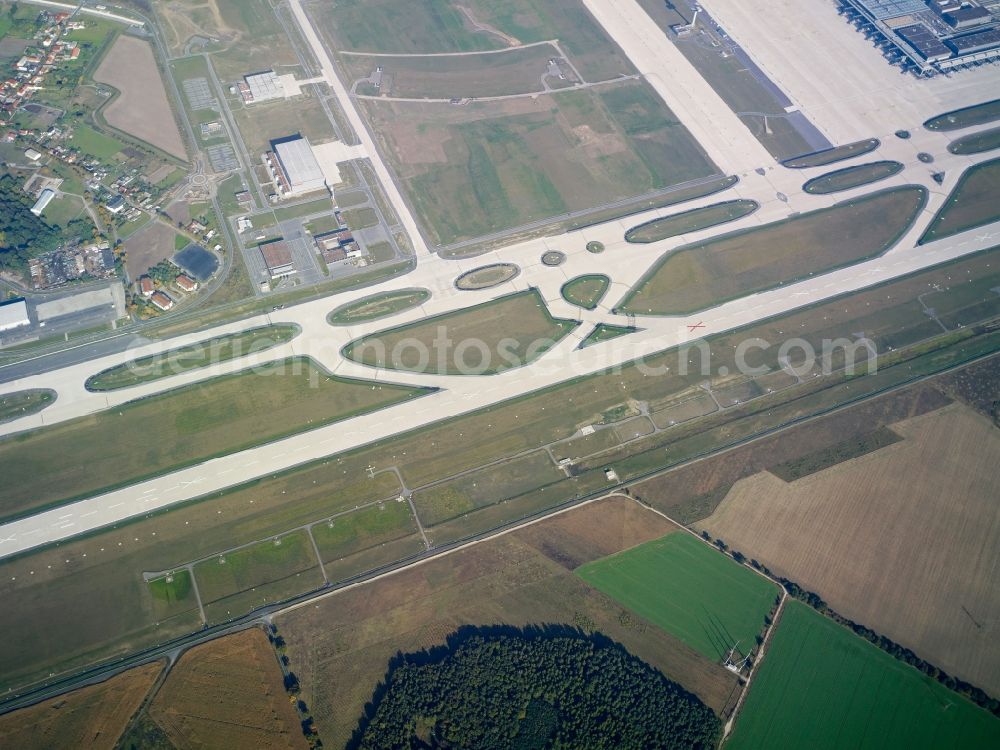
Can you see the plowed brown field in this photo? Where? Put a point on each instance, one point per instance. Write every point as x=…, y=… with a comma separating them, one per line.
x=905, y=540
x=92, y=717
x=228, y=693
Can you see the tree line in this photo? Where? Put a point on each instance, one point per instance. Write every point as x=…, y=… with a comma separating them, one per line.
x=975, y=694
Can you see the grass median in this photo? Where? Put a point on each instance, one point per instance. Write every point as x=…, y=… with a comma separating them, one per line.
x=195, y=356
x=157, y=434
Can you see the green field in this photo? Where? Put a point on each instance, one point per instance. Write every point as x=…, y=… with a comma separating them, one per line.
x=690, y=590
x=263, y=122
x=691, y=221
x=23, y=403
x=269, y=571
x=832, y=155
x=192, y=357
x=320, y=205
x=586, y=291
x=821, y=686
x=369, y=527
x=977, y=114
x=516, y=71
x=378, y=306
x=508, y=332
x=153, y=435
x=360, y=218
x=852, y=177
x=485, y=487
x=493, y=166
x=425, y=26
x=973, y=203
x=98, y=145
x=716, y=270
x=976, y=143
x=605, y=332
x=487, y=276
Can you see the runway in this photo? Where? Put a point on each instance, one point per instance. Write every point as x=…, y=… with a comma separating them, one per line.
x=778, y=190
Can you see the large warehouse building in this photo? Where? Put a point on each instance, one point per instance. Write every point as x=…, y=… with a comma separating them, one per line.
x=294, y=166
x=277, y=257
x=14, y=315
x=929, y=35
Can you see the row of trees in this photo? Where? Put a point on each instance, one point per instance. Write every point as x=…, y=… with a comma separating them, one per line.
x=977, y=695
x=503, y=688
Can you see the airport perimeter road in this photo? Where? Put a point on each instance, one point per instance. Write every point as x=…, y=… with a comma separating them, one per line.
x=722, y=134
x=360, y=127
x=464, y=394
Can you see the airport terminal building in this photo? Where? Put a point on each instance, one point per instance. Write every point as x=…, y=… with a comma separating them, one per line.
x=932, y=36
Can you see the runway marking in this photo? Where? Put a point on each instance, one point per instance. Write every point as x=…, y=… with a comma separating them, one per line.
x=85, y=515
x=117, y=505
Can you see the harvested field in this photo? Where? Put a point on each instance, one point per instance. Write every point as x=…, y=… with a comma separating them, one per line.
x=142, y=109
x=340, y=646
x=228, y=693
x=823, y=687
x=491, y=166
x=220, y=415
x=508, y=332
x=905, y=540
x=92, y=717
x=832, y=155
x=973, y=203
x=852, y=177
x=691, y=221
x=149, y=246
x=711, y=272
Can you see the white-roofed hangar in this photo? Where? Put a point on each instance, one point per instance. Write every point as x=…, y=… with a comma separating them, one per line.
x=13, y=315
x=294, y=166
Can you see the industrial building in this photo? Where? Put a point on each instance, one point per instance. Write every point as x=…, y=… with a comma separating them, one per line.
x=261, y=87
x=294, y=167
x=43, y=200
x=14, y=315
x=929, y=36
x=277, y=257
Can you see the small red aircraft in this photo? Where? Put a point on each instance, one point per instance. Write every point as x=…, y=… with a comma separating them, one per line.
x=693, y=328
